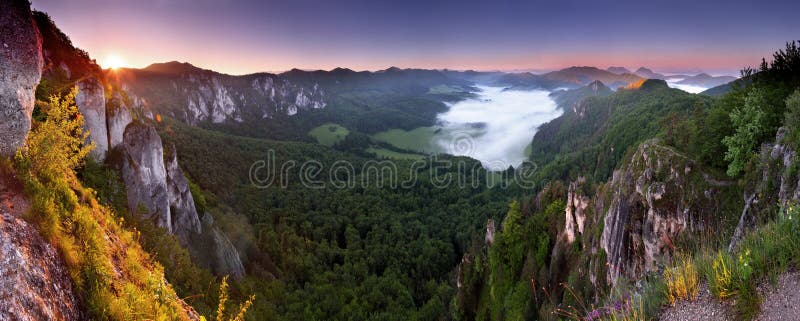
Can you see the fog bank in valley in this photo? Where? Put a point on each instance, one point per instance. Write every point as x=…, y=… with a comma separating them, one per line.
x=673, y=83
x=496, y=127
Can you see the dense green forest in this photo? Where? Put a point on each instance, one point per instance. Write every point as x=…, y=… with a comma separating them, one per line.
x=367, y=252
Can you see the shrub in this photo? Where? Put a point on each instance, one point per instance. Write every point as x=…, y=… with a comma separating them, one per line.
x=223, y=301
x=682, y=281
x=792, y=117
x=749, y=122
x=720, y=276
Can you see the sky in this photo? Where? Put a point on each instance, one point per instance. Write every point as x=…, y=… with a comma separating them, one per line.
x=240, y=37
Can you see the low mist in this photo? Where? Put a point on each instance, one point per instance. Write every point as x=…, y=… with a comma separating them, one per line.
x=496, y=127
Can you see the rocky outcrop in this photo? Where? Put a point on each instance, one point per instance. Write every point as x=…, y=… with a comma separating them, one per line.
x=657, y=197
x=35, y=284
x=119, y=116
x=157, y=185
x=158, y=190
x=91, y=102
x=224, y=258
x=20, y=71
x=490, y=231
x=185, y=221
x=575, y=212
x=145, y=174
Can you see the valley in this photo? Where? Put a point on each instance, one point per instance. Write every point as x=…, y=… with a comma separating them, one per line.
x=170, y=191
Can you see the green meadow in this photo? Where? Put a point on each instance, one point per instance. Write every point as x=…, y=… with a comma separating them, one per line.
x=329, y=134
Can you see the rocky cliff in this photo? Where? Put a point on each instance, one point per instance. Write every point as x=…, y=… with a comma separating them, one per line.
x=119, y=116
x=20, y=70
x=145, y=174
x=196, y=95
x=575, y=212
x=91, y=102
x=653, y=201
x=185, y=219
x=158, y=190
x=220, y=252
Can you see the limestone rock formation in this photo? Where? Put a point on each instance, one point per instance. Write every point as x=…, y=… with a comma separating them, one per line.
x=185, y=221
x=224, y=258
x=119, y=117
x=91, y=102
x=778, y=183
x=196, y=95
x=145, y=174
x=657, y=197
x=160, y=189
x=20, y=71
x=490, y=231
x=575, y=218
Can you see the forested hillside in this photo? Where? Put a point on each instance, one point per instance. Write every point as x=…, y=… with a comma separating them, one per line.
x=652, y=192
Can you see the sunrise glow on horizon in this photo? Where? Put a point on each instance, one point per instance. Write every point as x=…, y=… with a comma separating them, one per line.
x=113, y=61
x=243, y=37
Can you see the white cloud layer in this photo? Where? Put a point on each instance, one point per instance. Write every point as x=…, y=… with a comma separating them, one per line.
x=496, y=127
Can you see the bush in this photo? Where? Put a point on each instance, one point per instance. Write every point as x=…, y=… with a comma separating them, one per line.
x=749, y=128
x=720, y=276
x=792, y=117
x=682, y=280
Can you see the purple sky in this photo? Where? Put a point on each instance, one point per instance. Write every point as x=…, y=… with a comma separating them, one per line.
x=241, y=37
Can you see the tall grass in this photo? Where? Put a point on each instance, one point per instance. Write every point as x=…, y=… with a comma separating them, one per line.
x=682, y=280
x=625, y=308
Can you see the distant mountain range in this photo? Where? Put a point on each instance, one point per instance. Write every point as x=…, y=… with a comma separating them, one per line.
x=701, y=80
x=619, y=70
x=197, y=95
x=706, y=80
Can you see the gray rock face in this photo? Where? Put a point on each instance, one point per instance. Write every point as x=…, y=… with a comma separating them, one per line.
x=119, y=117
x=185, y=221
x=778, y=184
x=162, y=189
x=658, y=196
x=145, y=174
x=225, y=258
x=20, y=71
x=91, y=103
x=490, y=230
x=575, y=212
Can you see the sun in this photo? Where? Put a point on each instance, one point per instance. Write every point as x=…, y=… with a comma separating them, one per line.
x=114, y=62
